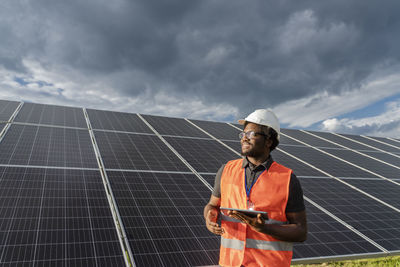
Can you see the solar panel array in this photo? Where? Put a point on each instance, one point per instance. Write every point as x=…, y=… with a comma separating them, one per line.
x=100, y=188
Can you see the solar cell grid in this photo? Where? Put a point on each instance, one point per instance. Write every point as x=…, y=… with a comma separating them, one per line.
x=299, y=168
x=173, y=126
x=203, y=155
x=382, y=189
x=137, y=152
x=7, y=108
x=51, y=115
x=284, y=140
x=163, y=217
x=326, y=163
x=388, y=141
x=309, y=139
x=327, y=237
x=373, y=219
x=118, y=121
x=47, y=146
x=210, y=178
x=373, y=143
x=343, y=141
x=2, y=126
x=392, y=159
x=56, y=217
x=218, y=129
x=365, y=162
x=235, y=145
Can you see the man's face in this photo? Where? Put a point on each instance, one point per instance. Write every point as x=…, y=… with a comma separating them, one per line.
x=255, y=147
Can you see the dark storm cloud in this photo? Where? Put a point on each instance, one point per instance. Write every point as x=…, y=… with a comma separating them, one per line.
x=244, y=53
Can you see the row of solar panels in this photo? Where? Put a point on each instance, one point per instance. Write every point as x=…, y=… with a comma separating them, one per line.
x=160, y=171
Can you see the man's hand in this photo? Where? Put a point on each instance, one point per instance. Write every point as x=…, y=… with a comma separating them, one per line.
x=257, y=223
x=211, y=222
x=294, y=231
x=211, y=211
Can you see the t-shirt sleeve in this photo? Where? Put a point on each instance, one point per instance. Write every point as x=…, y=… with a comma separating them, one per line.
x=295, y=201
x=217, y=183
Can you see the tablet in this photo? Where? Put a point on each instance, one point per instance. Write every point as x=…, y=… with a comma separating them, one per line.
x=250, y=213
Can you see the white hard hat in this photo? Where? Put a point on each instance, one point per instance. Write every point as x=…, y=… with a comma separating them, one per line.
x=263, y=117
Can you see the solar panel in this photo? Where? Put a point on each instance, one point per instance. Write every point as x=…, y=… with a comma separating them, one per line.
x=163, y=217
x=52, y=115
x=2, y=126
x=173, y=126
x=136, y=152
x=51, y=189
x=388, y=141
x=47, y=146
x=118, y=121
x=328, y=237
x=299, y=168
x=327, y=163
x=373, y=143
x=366, y=162
x=7, y=108
x=343, y=141
x=218, y=129
x=392, y=159
x=376, y=221
x=379, y=188
x=203, y=155
x=235, y=145
x=309, y=139
x=55, y=217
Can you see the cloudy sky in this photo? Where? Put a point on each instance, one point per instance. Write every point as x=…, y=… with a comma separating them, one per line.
x=321, y=65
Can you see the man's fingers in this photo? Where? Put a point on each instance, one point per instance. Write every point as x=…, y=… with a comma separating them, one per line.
x=212, y=213
x=215, y=228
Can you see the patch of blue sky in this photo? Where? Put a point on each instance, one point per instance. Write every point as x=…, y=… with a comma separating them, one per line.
x=374, y=109
x=21, y=81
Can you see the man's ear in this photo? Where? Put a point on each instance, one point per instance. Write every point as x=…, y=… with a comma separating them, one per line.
x=268, y=143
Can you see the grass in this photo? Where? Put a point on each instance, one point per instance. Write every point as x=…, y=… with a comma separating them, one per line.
x=393, y=261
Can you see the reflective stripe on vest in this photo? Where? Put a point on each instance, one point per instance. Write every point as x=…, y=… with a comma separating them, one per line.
x=257, y=244
x=230, y=219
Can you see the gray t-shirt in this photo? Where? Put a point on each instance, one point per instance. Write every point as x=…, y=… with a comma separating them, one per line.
x=295, y=201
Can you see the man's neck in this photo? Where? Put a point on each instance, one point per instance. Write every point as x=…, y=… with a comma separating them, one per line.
x=258, y=160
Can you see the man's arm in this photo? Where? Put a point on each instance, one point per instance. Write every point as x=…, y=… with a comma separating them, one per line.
x=211, y=211
x=295, y=231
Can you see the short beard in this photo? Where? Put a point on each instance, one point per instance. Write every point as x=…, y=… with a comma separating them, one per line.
x=252, y=153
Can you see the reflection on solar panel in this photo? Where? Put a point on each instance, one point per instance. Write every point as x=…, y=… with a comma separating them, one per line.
x=70, y=195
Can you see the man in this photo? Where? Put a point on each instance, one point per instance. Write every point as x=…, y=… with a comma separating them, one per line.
x=258, y=183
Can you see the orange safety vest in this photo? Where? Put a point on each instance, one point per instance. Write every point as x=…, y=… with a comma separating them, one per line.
x=240, y=244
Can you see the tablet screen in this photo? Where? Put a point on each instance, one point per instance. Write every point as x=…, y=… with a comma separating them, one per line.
x=250, y=213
